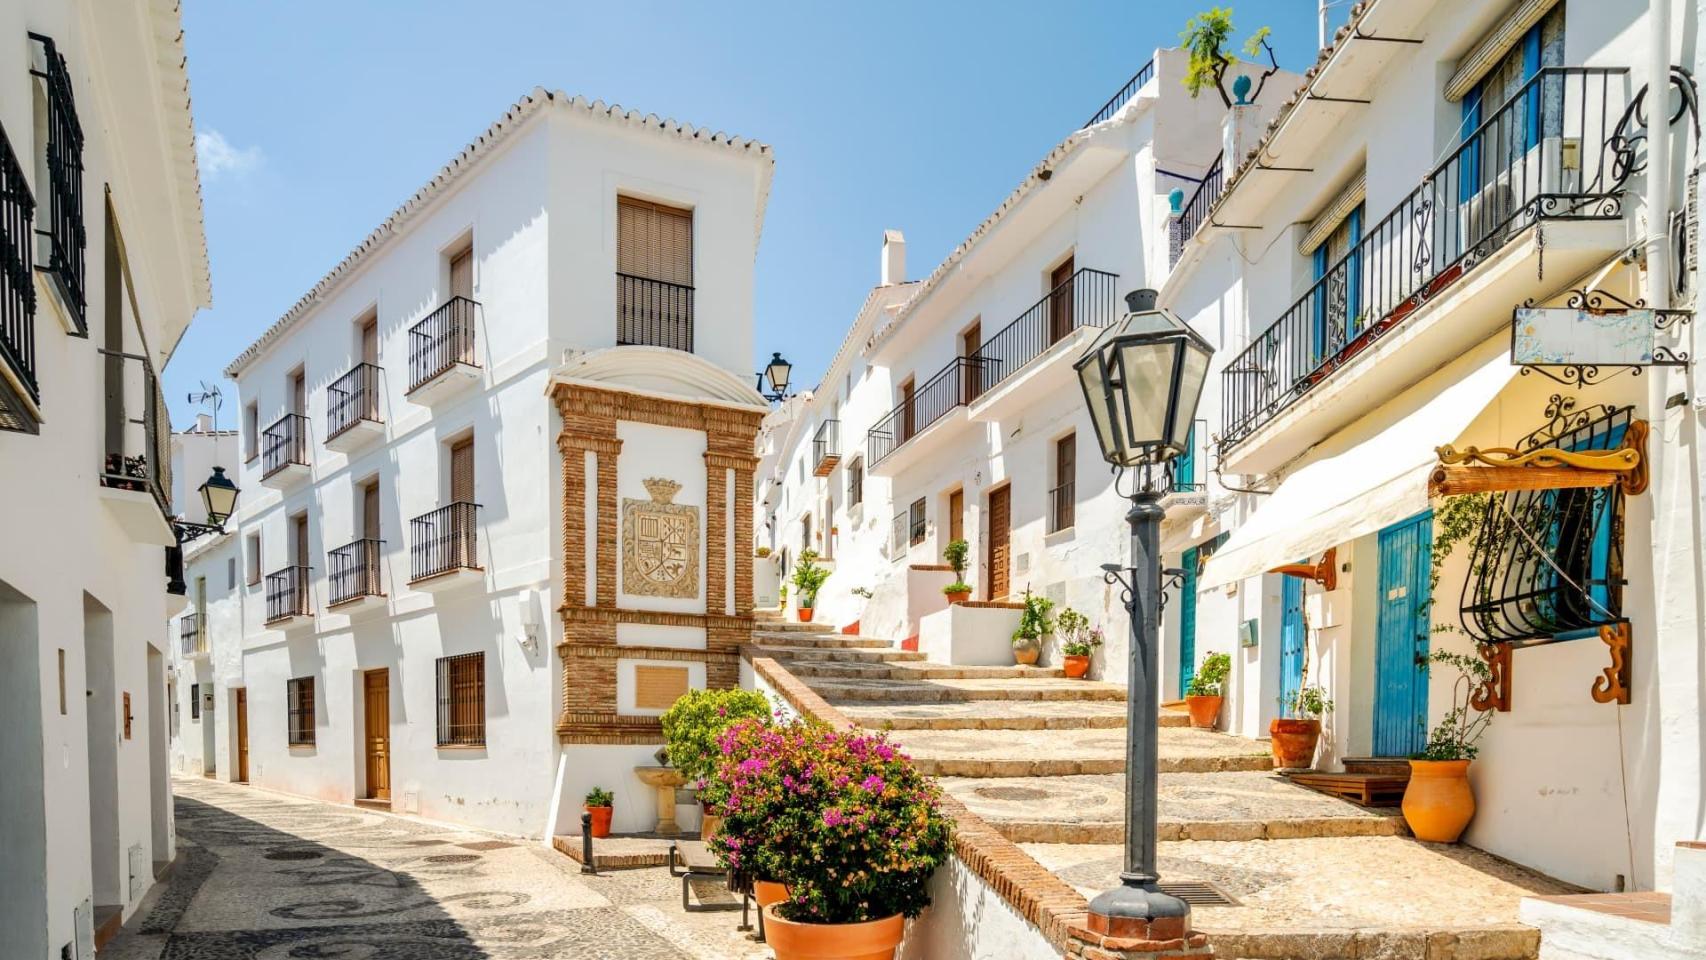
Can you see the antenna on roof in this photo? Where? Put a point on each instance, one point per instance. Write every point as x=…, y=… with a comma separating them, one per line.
x=209, y=397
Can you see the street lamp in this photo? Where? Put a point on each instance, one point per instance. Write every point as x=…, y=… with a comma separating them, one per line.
x=1142, y=378
x=777, y=371
x=219, y=497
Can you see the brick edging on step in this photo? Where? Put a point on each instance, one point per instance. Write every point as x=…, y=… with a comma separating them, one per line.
x=991, y=604
x=1043, y=899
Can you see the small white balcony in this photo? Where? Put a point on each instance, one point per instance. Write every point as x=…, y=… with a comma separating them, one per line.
x=442, y=358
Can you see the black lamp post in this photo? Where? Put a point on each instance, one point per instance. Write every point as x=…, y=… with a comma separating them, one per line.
x=1142, y=378
x=219, y=497
x=777, y=372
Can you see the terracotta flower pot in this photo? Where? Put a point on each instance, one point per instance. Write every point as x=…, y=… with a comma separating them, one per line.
x=1205, y=712
x=1439, y=803
x=709, y=823
x=871, y=940
x=767, y=892
x=600, y=821
x=1027, y=654
x=805, y=614
x=959, y=596
x=1076, y=665
x=1293, y=742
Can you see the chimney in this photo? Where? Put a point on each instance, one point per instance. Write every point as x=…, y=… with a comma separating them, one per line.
x=203, y=423
x=894, y=257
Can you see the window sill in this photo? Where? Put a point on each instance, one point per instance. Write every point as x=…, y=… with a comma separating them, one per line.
x=1060, y=536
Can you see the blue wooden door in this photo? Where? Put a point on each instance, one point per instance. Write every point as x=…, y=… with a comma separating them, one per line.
x=1188, y=621
x=1401, y=648
x=1291, y=639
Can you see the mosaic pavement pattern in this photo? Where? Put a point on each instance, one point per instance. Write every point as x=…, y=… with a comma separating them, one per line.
x=266, y=877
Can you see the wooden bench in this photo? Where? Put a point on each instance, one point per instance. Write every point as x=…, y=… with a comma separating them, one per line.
x=1367, y=789
x=693, y=860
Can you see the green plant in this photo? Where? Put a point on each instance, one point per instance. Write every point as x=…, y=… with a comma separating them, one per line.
x=956, y=587
x=1077, y=637
x=842, y=818
x=809, y=578
x=1307, y=703
x=956, y=553
x=599, y=797
x=1210, y=678
x=1457, y=733
x=782, y=595
x=1206, y=37
x=861, y=592
x=693, y=725
x=762, y=552
x=1033, y=620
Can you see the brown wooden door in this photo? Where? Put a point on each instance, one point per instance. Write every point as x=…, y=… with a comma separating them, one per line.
x=909, y=410
x=1060, y=302
x=654, y=241
x=298, y=393
x=370, y=342
x=462, y=491
x=301, y=541
x=972, y=376
x=370, y=511
x=462, y=274
x=378, y=689
x=956, y=516
x=242, y=735
x=1000, y=542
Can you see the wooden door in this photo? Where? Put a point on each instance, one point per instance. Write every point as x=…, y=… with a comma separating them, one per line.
x=378, y=689
x=1060, y=312
x=370, y=341
x=301, y=542
x=1293, y=639
x=368, y=556
x=370, y=511
x=462, y=274
x=298, y=392
x=1189, y=561
x=972, y=376
x=461, y=519
x=1065, y=500
x=909, y=410
x=1401, y=638
x=242, y=735
x=1000, y=542
x=956, y=516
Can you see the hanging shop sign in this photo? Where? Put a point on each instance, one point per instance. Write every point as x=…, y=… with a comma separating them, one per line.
x=1595, y=335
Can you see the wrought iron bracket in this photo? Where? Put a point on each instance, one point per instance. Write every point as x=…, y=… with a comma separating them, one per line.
x=1357, y=34
x=1312, y=95
x=1595, y=300
x=1612, y=686
x=187, y=531
x=1495, y=693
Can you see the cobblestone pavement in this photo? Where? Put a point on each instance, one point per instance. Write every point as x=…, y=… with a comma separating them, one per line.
x=261, y=876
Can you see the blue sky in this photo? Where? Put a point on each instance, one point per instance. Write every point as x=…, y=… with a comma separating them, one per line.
x=316, y=119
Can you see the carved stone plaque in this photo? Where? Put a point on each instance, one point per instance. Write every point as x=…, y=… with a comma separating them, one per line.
x=660, y=544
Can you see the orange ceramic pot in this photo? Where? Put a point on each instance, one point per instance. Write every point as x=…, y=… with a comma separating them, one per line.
x=709, y=824
x=600, y=821
x=1075, y=665
x=1293, y=742
x=805, y=614
x=871, y=940
x=1205, y=711
x=1027, y=655
x=1439, y=803
x=767, y=892
x=959, y=597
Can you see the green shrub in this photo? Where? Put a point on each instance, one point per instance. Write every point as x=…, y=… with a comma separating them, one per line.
x=599, y=797
x=1034, y=620
x=1210, y=678
x=693, y=725
x=808, y=578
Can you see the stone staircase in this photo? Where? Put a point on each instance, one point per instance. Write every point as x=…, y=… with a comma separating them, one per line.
x=1041, y=758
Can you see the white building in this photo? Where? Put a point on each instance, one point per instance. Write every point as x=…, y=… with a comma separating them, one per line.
x=104, y=265
x=401, y=521
x=1448, y=163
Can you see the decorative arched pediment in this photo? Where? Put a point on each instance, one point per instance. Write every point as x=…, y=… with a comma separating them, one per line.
x=660, y=372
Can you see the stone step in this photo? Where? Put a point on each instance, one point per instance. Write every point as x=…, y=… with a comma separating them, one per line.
x=916, y=671
x=836, y=654
x=992, y=715
x=784, y=626
x=824, y=640
x=1335, y=896
x=938, y=691
x=1089, y=808
x=1054, y=753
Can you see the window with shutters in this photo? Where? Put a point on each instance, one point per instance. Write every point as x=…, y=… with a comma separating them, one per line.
x=462, y=700
x=195, y=701
x=299, y=710
x=1062, y=502
x=915, y=523
x=654, y=274
x=856, y=482
x=251, y=432
x=253, y=557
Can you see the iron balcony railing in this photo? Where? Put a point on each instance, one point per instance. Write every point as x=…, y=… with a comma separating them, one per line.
x=138, y=429
x=1195, y=210
x=284, y=443
x=353, y=571
x=1559, y=148
x=17, y=292
x=1086, y=299
x=444, y=540
x=653, y=313
x=287, y=593
x=192, y=639
x=826, y=447
x=64, y=237
x=1062, y=507
x=441, y=341
x=1188, y=472
x=939, y=395
x=352, y=398
x=1124, y=95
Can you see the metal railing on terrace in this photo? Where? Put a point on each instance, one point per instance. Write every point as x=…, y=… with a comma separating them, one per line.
x=444, y=540
x=654, y=313
x=288, y=592
x=284, y=443
x=1124, y=94
x=826, y=447
x=951, y=387
x=1062, y=507
x=138, y=429
x=1086, y=299
x=353, y=571
x=17, y=289
x=352, y=398
x=1557, y=149
x=1194, y=213
x=441, y=341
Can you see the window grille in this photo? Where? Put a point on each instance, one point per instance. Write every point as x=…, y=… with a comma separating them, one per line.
x=462, y=700
x=299, y=706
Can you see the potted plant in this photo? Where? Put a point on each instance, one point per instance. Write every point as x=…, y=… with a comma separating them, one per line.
x=598, y=803
x=845, y=822
x=1033, y=623
x=1439, y=802
x=1078, y=640
x=955, y=553
x=762, y=552
x=809, y=578
x=692, y=728
x=1294, y=735
x=1206, y=690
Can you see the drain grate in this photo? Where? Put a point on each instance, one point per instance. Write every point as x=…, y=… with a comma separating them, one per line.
x=295, y=855
x=1199, y=894
x=448, y=858
x=486, y=845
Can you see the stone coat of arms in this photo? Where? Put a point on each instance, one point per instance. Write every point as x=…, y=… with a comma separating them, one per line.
x=660, y=543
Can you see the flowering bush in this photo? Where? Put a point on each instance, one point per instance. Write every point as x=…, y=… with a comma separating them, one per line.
x=842, y=818
x=693, y=724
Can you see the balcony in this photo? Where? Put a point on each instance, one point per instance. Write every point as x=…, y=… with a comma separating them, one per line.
x=353, y=582
x=444, y=548
x=1062, y=507
x=288, y=598
x=954, y=386
x=1553, y=153
x=284, y=452
x=352, y=408
x=65, y=239
x=1194, y=213
x=826, y=448
x=653, y=313
x=20, y=394
x=1032, y=356
x=442, y=359
x=136, y=471
x=1123, y=95
x=192, y=636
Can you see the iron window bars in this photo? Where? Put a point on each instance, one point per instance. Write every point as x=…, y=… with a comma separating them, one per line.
x=916, y=525
x=299, y=711
x=1548, y=564
x=441, y=341
x=826, y=447
x=190, y=635
x=1194, y=213
x=1124, y=94
x=195, y=701
x=654, y=313
x=1062, y=507
x=444, y=540
x=353, y=571
x=856, y=482
x=17, y=293
x=1559, y=148
x=352, y=398
x=462, y=700
x=65, y=238
x=287, y=593
x=284, y=443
